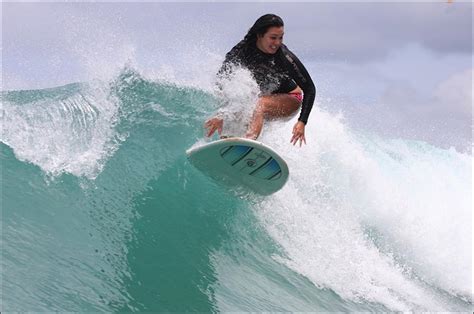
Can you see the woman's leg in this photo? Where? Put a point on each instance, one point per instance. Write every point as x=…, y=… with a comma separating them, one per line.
x=271, y=107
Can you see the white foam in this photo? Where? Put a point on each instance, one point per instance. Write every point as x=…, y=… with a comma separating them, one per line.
x=73, y=135
x=414, y=196
x=238, y=95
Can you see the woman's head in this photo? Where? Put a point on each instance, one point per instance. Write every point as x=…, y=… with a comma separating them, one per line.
x=267, y=33
x=263, y=23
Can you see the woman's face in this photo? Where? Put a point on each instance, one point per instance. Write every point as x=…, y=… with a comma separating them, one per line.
x=271, y=40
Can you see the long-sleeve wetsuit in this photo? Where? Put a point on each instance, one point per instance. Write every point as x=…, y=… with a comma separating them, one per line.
x=275, y=73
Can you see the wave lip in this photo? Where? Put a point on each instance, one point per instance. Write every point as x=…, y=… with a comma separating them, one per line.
x=63, y=130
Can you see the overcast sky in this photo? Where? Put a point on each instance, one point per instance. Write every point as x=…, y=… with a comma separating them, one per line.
x=392, y=63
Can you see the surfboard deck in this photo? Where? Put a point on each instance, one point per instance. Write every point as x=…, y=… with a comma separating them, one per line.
x=241, y=162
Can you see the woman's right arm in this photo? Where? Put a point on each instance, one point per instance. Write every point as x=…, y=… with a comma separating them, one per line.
x=214, y=124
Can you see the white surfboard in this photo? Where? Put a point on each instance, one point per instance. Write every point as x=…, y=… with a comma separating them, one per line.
x=241, y=162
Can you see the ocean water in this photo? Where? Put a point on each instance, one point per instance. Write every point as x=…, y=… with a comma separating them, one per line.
x=101, y=211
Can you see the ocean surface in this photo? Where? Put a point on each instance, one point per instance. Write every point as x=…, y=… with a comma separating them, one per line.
x=101, y=211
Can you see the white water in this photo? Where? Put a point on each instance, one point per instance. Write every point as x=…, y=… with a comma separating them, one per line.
x=73, y=134
x=385, y=221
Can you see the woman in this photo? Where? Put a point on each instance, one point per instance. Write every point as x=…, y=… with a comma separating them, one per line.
x=282, y=78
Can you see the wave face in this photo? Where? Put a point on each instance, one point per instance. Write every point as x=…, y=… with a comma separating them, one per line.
x=102, y=212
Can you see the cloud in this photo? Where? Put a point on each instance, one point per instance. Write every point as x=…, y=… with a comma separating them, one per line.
x=452, y=98
x=429, y=101
x=344, y=31
x=443, y=118
x=362, y=32
x=456, y=93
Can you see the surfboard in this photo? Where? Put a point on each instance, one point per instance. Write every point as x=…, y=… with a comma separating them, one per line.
x=241, y=162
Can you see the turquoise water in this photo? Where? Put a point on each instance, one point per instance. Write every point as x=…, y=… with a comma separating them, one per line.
x=102, y=212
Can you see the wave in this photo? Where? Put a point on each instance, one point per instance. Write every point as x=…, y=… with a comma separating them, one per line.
x=105, y=212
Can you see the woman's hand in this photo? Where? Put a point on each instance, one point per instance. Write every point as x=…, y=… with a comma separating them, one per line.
x=214, y=124
x=298, y=133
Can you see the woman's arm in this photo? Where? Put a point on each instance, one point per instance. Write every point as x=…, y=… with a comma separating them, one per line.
x=301, y=76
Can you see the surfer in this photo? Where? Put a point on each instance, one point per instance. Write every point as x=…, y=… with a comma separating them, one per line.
x=285, y=84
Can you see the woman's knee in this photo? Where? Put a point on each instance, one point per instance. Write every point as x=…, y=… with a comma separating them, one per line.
x=263, y=105
x=274, y=106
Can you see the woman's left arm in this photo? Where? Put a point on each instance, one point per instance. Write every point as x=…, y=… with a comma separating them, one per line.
x=298, y=133
x=301, y=76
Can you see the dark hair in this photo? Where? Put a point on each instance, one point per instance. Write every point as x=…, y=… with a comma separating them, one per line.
x=261, y=26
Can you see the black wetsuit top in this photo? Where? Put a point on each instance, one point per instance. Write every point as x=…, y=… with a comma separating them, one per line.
x=275, y=73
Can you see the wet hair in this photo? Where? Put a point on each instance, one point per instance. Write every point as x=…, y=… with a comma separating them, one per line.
x=261, y=26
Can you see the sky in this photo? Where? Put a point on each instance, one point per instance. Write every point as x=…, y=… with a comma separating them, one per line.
x=402, y=69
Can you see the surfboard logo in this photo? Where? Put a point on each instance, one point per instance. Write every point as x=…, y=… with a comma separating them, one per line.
x=244, y=157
